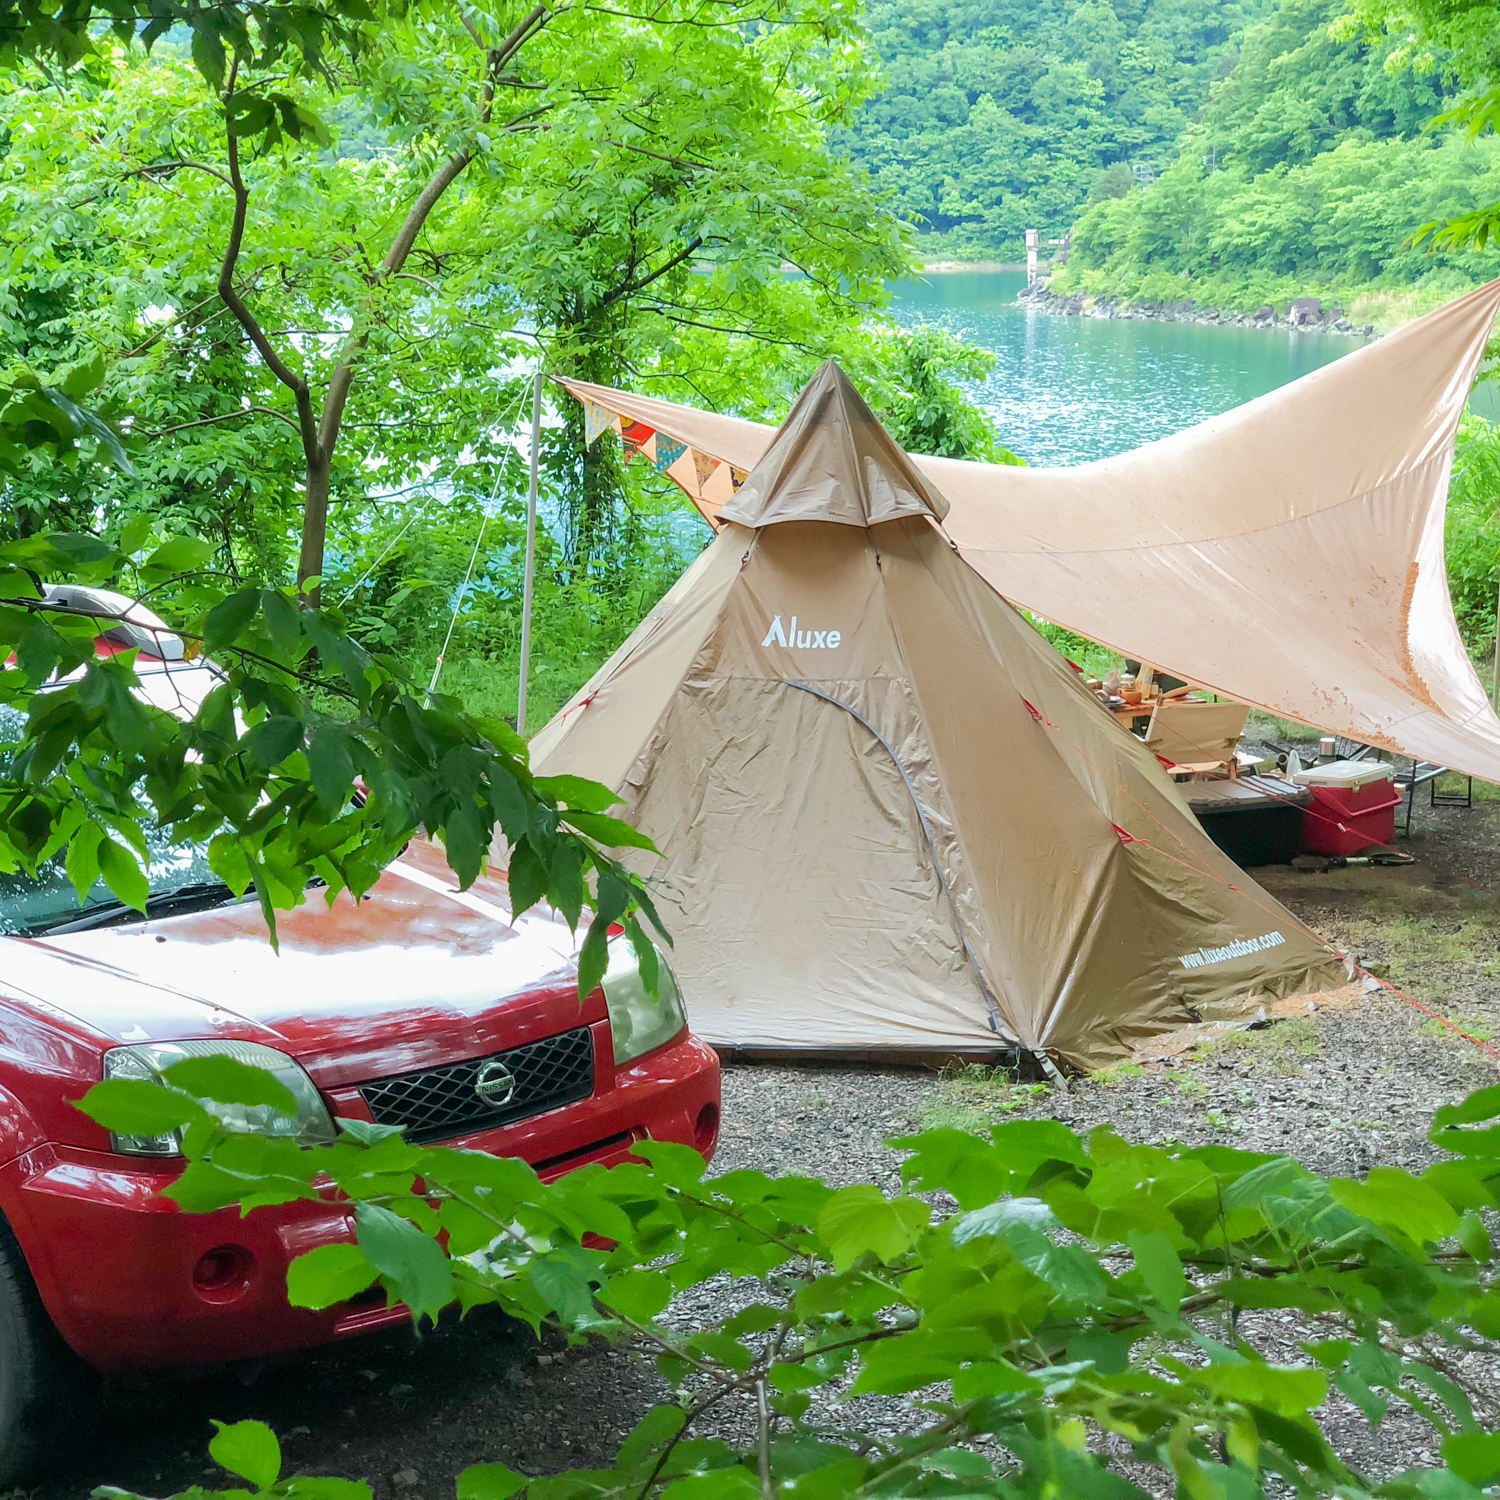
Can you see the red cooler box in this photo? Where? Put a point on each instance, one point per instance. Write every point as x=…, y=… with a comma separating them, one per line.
x=1353, y=808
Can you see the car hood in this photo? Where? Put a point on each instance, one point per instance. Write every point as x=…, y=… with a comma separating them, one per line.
x=415, y=974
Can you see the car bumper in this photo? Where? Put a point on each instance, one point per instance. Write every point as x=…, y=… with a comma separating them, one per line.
x=122, y=1270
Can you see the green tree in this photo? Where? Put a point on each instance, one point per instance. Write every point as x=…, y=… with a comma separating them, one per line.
x=1465, y=36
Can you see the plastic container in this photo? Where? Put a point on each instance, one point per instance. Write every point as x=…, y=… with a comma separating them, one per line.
x=1353, y=807
x=1349, y=774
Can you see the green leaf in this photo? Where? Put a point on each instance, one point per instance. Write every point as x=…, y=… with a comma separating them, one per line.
x=272, y=740
x=332, y=767
x=411, y=1261
x=136, y=532
x=1396, y=1198
x=133, y=1106
x=208, y=51
x=1474, y=1237
x=84, y=377
x=956, y=1162
x=565, y=1288
x=181, y=554
x=226, y=1080
x=638, y=1294
x=660, y=1425
x=1160, y=1266
x=718, y=1484
x=122, y=874
x=283, y=620
x=227, y=620
x=489, y=1482
x=82, y=863
x=328, y=1275
x=577, y=793
x=611, y=832
x=862, y=1219
x=1474, y=1456
x=248, y=1449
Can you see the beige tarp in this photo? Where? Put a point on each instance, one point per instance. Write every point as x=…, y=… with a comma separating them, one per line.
x=1288, y=554
x=891, y=816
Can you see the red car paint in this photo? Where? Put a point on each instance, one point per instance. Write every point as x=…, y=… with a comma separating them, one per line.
x=416, y=975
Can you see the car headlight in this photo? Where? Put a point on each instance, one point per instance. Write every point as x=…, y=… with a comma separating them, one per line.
x=148, y=1060
x=639, y=1021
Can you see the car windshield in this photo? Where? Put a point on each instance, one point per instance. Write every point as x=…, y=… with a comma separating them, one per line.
x=179, y=876
x=34, y=905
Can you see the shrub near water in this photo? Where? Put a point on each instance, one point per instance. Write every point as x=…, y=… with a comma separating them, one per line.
x=1076, y=1311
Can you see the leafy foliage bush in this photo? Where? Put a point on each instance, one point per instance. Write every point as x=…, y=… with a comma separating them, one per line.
x=1056, y=1314
x=1473, y=531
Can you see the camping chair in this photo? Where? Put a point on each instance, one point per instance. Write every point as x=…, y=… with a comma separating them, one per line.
x=1421, y=771
x=1200, y=735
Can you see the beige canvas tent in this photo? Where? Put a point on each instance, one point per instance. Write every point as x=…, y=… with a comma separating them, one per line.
x=1288, y=553
x=891, y=817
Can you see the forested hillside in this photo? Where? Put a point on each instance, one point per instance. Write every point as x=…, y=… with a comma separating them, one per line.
x=1003, y=115
x=1308, y=172
x=1240, y=152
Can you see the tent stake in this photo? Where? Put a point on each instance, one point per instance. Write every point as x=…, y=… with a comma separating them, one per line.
x=1050, y=1068
x=536, y=434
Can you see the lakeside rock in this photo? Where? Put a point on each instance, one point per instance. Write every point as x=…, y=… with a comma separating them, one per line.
x=1304, y=312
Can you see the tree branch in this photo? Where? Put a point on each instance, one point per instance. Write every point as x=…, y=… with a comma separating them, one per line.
x=630, y=288
x=178, y=166
x=307, y=425
x=416, y=218
x=228, y=416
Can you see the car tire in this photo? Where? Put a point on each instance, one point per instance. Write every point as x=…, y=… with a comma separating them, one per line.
x=47, y=1394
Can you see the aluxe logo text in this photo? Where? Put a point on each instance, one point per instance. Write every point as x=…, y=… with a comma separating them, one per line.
x=802, y=640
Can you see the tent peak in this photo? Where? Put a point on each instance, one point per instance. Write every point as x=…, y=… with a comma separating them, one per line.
x=831, y=460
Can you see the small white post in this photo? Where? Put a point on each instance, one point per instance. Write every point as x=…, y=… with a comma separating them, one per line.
x=1033, y=238
x=536, y=444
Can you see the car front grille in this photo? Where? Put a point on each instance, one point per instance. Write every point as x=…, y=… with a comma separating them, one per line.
x=440, y=1102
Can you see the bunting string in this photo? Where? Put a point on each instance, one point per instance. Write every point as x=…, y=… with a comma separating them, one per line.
x=708, y=482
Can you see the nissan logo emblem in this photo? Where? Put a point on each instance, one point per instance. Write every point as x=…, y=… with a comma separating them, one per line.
x=495, y=1084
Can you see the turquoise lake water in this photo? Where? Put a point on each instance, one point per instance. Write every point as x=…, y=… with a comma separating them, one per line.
x=1068, y=390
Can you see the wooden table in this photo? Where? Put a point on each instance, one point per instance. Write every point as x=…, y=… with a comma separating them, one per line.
x=1128, y=713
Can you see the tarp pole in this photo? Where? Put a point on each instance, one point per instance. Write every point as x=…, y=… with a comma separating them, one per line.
x=526, y=589
x=1495, y=683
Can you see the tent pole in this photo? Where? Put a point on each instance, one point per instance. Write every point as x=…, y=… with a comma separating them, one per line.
x=536, y=435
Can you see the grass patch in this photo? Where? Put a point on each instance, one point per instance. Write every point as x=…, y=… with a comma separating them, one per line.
x=1280, y=1044
x=1476, y=1026
x=974, y=1097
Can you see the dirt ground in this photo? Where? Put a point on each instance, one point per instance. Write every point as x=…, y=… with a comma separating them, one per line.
x=1341, y=1089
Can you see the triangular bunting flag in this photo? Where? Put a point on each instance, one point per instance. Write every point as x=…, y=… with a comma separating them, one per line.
x=704, y=467
x=596, y=419
x=737, y=475
x=668, y=451
x=636, y=435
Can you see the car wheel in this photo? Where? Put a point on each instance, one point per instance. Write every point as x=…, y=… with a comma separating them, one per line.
x=47, y=1394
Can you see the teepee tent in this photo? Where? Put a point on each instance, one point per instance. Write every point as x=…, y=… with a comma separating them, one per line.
x=1288, y=553
x=890, y=816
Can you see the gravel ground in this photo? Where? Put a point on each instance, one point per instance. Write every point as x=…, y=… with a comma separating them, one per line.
x=1342, y=1090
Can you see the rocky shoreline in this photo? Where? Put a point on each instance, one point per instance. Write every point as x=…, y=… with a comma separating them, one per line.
x=1304, y=312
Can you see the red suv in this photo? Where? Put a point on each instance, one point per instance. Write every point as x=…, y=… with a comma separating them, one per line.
x=421, y=1006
